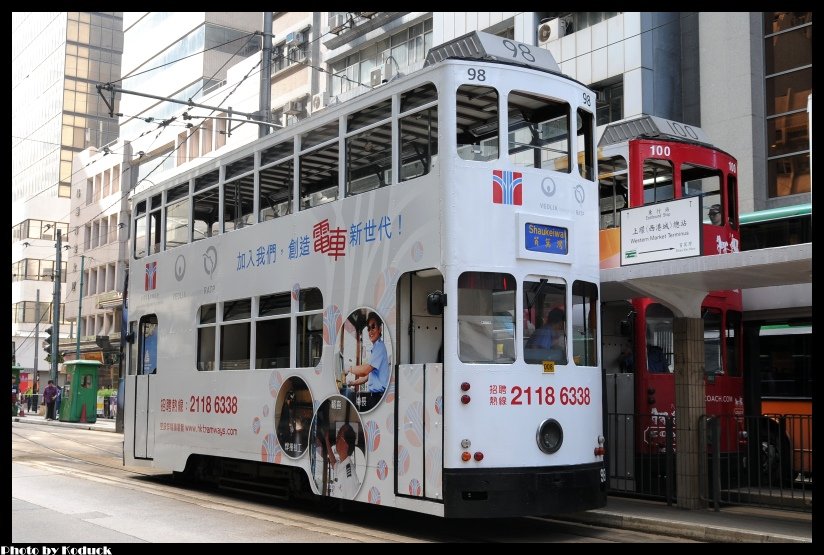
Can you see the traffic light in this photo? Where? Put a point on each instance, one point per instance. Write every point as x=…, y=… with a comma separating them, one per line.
x=47, y=343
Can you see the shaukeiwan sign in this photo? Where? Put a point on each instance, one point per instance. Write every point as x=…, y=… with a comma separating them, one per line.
x=662, y=231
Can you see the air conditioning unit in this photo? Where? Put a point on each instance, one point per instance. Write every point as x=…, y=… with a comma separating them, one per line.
x=551, y=30
x=319, y=101
x=337, y=23
x=294, y=39
x=367, y=15
x=293, y=107
x=376, y=77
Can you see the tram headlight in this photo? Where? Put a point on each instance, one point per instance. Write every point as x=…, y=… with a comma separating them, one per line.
x=550, y=436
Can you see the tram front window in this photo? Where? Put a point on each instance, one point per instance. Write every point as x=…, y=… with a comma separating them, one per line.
x=486, y=317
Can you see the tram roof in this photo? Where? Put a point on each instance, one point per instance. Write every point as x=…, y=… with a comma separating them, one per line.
x=652, y=127
x=478, y=45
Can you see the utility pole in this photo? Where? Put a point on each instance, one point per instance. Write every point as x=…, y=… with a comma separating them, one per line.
x=55, y=346
x=79, y=308
x=266, y=74
x=36, y=333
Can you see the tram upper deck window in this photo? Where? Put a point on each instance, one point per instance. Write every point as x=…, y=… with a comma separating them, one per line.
x=205, y=206
x=586, y=148
x=177, y=216
x=658, y=181
x=477, y=123
x=318, y=169
x=369, y=159
x=613, y=190
x=705, y=182
x=140, y=230
x=538, y=132
x=275, y=196
x=418, y=143
x=238, y=202
x=486, y=321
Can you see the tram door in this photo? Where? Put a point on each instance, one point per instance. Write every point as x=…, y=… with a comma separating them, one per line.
x=419, y=385
x=146, y=371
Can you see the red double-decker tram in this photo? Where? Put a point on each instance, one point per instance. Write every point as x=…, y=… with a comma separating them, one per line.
x=652, y=162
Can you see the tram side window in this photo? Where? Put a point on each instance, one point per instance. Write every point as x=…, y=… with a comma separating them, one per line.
x=369, y=159
x=734, y=339
x=235, y=334
x=713, y=363
x=418, y=143
x=538, y=132
x=238, y=203
x=705, y=182
x=660, y=338
x=477, y=123
x=273, y=336
x=586, y=148
x=148, y=344
x=319, y=176
x=206, y=333
x=309, y=324
x=205, y=213
x=177, y=216
x=613, y=190
x=276, y=190
x=544, y=316
x=155, y=224
x=658, y=181
x=486, y=317
x=140, y=230
x=584, y=323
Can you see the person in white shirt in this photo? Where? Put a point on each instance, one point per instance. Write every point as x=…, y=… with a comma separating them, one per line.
x=344, y=483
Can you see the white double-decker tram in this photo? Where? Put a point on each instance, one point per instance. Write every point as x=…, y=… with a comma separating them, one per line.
x=392, y=301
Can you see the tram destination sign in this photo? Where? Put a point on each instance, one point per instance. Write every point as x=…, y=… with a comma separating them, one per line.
x=546, y=238
x=662, y=231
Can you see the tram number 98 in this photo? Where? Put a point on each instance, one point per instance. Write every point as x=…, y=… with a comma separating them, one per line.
x=547, y=395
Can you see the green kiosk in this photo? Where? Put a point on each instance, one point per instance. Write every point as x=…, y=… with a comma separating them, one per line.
x=78, y=401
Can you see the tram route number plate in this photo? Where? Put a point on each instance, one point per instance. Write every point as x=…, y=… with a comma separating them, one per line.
x=549, y=367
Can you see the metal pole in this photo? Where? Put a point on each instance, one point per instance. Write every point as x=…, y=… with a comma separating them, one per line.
x=79, y=308
x=266, y=74
x=56, y=307
x=37, y=346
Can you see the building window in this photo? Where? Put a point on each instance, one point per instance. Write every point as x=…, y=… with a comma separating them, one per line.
x=403, y=49
x=609, y=103
x=788, y=38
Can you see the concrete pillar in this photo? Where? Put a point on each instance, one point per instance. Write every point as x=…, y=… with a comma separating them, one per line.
x=691, y=405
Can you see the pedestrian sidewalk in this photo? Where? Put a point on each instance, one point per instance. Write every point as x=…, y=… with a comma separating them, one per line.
x=101, y=424
x=732, y=524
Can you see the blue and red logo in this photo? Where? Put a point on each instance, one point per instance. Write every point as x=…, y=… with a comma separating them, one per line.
x=507, y=187
x=151, y=276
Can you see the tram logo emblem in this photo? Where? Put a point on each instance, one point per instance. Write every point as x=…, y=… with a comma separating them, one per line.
x=151, y=276
x=180, y=267
x=507, y=187
x=210, y=261
x=548, y=186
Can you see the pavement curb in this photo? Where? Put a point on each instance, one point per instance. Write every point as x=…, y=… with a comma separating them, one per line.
x=691, y=531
